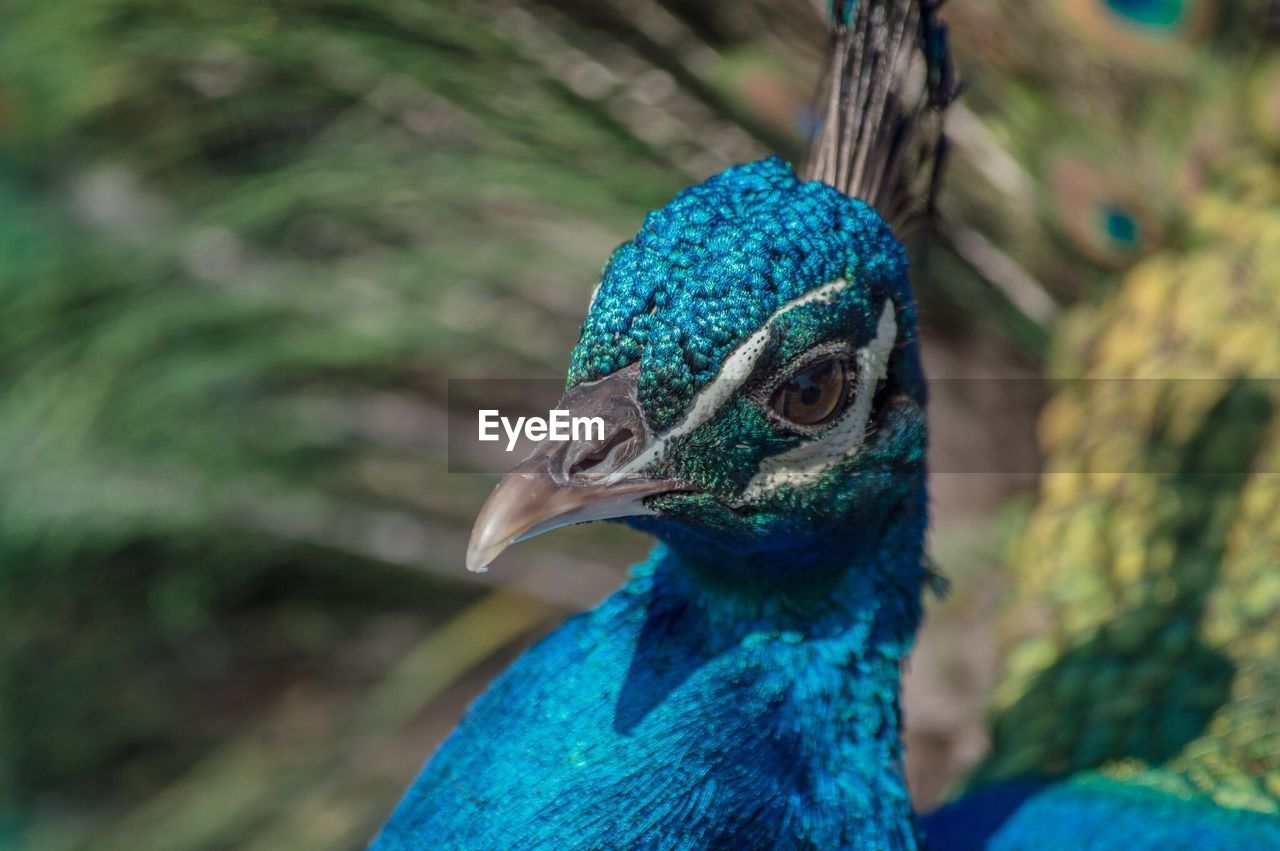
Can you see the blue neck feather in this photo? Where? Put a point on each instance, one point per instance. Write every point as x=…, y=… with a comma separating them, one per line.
x=774, y=713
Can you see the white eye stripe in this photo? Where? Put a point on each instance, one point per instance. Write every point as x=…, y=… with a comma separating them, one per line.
x=738, y=367
x=807, y=462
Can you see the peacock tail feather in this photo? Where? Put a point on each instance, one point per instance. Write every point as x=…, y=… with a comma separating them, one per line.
x=1077, y=153
x=1146, y=597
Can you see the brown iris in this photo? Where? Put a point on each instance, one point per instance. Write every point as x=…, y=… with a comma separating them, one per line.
x=815, y=396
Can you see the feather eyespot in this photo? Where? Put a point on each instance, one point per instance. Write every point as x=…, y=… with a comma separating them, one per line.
x=1112, y=219
x=1144, y=29
x=816, y=395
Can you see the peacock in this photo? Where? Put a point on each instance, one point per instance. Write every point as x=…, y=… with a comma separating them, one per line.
x=244, y=243
x=754, y=352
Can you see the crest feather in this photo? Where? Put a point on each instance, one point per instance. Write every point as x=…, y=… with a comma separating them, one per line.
x=887, y=85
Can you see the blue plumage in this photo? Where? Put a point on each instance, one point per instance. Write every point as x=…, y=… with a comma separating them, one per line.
x=673, y=717
x=708, y=269
x=1094, y=812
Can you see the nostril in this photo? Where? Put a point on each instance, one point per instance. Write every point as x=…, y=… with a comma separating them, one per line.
x=601, y=453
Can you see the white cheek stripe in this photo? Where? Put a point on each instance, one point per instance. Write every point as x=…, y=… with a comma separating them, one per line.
x=737, y=368
x=807, y=462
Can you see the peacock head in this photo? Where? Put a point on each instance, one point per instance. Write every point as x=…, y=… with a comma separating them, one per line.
x=753, y=354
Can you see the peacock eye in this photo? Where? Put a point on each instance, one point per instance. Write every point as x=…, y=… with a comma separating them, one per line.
x=816, y=395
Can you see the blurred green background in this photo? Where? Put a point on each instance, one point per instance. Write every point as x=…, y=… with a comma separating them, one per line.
x=243, y=247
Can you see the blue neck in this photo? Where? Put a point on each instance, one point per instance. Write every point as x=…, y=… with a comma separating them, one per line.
x=822, y=658
x=691, y=712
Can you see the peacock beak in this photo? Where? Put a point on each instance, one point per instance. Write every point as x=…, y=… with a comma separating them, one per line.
x=574, y=481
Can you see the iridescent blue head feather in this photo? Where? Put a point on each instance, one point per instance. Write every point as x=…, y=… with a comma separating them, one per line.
x=757, y=258
x=708, y=269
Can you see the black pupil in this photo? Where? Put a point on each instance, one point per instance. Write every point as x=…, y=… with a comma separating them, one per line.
x=810, y=385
